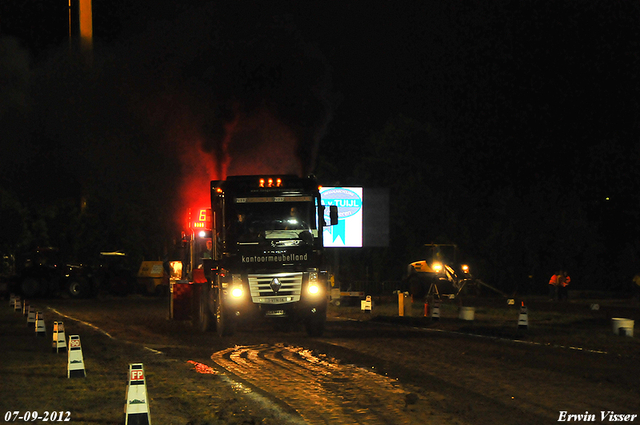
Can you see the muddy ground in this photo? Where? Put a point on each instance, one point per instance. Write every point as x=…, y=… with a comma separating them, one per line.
x=367, y=368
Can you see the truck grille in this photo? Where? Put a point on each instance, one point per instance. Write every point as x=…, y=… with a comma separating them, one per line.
x=262, y=290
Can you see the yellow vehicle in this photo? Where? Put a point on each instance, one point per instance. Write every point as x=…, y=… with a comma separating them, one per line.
x=435, y=276
x=152, y=278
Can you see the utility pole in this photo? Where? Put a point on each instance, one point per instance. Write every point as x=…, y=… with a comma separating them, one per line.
x=81, y=23
x=86, y=25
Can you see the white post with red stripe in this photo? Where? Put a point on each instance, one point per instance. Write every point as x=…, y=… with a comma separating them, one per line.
x=17, y=306
x=435, y=310
x=59, y=339
x=75, y=363
x=136, y=408
x=41, y=328
x=31, y=316
x=523, y=317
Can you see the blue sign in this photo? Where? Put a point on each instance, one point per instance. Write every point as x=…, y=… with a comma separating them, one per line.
x=348, y=231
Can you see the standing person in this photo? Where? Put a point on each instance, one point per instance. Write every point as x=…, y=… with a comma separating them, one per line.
x=553, y=286
x=563, y=281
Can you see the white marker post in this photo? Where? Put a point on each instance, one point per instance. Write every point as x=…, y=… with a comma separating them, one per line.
x=137, y=407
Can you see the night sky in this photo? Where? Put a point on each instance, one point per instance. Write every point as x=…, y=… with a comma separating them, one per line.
x=533, y=104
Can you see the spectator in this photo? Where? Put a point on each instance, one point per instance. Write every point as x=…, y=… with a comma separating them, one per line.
x=558, y=286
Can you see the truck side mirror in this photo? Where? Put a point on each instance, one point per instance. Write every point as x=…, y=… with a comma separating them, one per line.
x=333, y=213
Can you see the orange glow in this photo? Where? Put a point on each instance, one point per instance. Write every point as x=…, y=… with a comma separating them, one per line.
x=86, y=23
x=203, y=368
x=175, y=270
x=270, y=182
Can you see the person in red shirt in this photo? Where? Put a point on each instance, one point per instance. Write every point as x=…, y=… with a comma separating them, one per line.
x=553, y=287
x=558, y=286
x=563, y=282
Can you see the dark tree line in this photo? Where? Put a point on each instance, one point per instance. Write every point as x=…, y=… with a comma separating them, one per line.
x=514, y=234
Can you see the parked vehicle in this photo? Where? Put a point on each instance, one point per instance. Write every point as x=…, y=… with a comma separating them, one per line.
x=43, y=273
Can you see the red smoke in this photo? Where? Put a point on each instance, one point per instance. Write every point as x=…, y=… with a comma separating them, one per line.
x=198, y=169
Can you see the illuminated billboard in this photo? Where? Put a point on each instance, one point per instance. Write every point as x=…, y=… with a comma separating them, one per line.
x=348, y=232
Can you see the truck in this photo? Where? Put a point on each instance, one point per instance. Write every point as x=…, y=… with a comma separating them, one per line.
x=263, y=257
x=42, y=272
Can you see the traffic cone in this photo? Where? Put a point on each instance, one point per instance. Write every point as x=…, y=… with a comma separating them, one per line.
x=435, y=310
x=41, y=329
x=523, y=319
x=136, y=408
x=59, y=339
x=31, y=316
x=75, y=362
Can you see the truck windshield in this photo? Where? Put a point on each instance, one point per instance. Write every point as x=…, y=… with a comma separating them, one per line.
x=258, y=219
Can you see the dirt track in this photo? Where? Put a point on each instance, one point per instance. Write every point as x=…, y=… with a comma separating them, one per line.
x=398, y=370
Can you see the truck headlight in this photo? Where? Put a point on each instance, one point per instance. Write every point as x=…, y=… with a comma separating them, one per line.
x=314, y=285
x=236, y=286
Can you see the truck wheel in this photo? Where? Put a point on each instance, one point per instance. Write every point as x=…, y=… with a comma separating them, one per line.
x=315, y=324
x=30, y=287
x=77, y=288
x=225, y=326
x=204, y=315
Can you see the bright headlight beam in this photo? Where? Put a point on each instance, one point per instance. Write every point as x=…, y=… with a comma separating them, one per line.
x=437, y=267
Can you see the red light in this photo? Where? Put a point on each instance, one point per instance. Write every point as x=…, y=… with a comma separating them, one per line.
x=261, y=182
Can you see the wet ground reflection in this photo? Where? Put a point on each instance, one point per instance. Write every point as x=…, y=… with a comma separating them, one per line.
x=319, y=388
